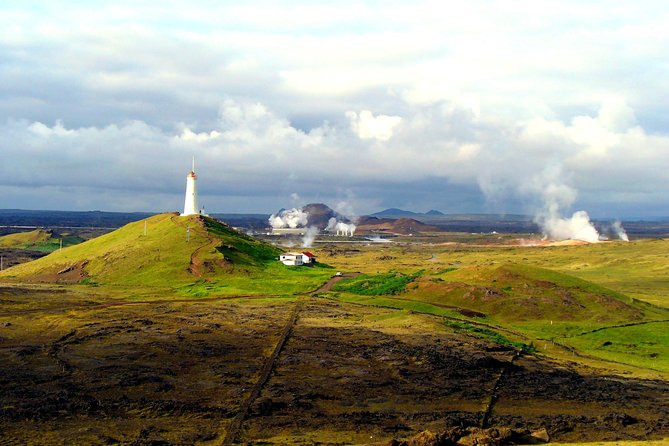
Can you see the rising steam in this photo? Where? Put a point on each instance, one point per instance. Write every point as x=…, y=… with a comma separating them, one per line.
x=556, y=196
x=617, y=227
x=309, y=236
x=288, y=218
x=340, y=227
x=578, y=227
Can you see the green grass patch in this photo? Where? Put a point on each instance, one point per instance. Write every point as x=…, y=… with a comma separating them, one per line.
x=645, y=345
x=274, y=279
x=391, y=283
x=444, y=271
x=397, y=304
x=88, y=281
x=491, y=335
x=240, y=248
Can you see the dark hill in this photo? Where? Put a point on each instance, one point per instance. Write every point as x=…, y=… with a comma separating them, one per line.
x=319, y=214
x=394, y=212
x=400, y=226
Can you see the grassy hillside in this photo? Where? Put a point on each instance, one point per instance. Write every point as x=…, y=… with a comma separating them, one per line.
x=196, y=255
x=515, y=292
x=537, y=306
x=24, y=239
x=638, y=269
x=38, y=240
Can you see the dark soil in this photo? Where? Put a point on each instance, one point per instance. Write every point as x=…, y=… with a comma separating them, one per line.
x=11, y=257
x=178, y=373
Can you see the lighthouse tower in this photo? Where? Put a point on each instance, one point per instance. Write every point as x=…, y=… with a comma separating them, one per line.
x=190, y=205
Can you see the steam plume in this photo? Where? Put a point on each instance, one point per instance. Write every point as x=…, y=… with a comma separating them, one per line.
x=309, y=236
x=617, y=227
x=556, y=195
x=288, y=218
x=578, y=227
x=340, y=227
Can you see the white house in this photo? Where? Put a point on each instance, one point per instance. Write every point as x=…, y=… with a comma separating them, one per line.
x=297, y=258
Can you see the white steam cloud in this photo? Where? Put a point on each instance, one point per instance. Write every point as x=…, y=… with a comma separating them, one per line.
x=340, y=227
x=289, y=218
x=617, y=227
x=577, y=227
x=556, y=196
x=309, y=236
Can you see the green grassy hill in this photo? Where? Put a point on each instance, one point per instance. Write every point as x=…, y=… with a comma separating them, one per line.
x=516, y=292
x=214, y=259
x=38, y=240
x=26, y=240
x=544, y=306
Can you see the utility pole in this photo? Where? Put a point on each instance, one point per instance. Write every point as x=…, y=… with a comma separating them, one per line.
x=187, y=233
x=2, y=265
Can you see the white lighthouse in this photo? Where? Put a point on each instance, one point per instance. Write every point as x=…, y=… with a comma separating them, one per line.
x=190, y=205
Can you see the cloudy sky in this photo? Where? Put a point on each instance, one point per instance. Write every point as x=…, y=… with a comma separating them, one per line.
x=477, y=106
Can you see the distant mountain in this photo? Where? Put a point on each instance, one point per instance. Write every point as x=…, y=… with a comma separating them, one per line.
x=400, y=226
x=319, y=214
x=394, y=212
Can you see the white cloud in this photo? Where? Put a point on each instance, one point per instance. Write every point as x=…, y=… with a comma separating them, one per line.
x=478, y=93
x=366, y=126
x=253, y=150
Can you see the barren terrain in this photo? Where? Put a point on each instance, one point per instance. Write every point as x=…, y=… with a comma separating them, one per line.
x=287, y=370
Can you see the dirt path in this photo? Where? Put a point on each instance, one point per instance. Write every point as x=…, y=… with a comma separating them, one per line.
x=234, y=429
x=327, y=286
x=494, y=392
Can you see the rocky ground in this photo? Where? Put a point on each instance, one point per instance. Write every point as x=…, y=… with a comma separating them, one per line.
x=11, y=256
x=192, y=373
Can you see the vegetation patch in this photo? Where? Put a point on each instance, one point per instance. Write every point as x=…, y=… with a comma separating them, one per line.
x=397, y=304
x=643, y=345
x=445, y=270
x=489, y=334
x=38, y=240
x=241, y=248
x=390, y=283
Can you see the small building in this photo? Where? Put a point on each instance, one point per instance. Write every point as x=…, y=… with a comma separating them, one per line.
x=308, y=257
x=288, y=231
x=297, y=258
